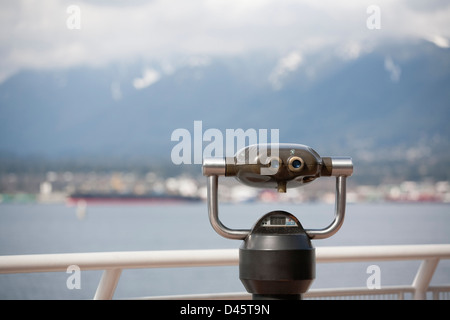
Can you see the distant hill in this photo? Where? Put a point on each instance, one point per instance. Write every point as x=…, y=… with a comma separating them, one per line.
x=392, y=104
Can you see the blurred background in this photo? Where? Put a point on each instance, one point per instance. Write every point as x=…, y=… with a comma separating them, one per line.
x=91, y=91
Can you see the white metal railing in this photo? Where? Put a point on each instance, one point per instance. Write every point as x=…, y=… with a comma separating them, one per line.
x=114, y=262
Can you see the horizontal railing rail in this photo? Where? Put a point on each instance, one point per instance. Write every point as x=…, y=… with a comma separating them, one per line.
x=114, y=262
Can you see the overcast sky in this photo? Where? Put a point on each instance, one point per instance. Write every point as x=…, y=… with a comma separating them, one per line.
x=44, y=34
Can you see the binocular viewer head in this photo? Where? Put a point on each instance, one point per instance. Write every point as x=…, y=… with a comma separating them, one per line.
x=277, y=166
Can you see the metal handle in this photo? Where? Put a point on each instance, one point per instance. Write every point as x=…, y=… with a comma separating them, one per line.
x=213, y=212
x=341, y=167
x=339, y=213
x=213, y=167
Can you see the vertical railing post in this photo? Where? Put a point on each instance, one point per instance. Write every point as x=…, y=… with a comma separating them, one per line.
x=423, y=278
x=108, y=284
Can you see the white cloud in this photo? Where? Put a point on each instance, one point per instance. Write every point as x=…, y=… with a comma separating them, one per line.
x=291, y=62
x=167, y=67
x=198, y=61
x=439, y=41
x=285, y=65
x=34, y=34
x=116, y=92
x=350, y=51
x=394, y=70
x=149, y=77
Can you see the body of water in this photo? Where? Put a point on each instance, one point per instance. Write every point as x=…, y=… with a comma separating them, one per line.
x=34, y=229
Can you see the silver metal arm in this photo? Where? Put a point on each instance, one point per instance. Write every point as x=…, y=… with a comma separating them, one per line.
x=339, y=213
x=213, y=212
x=213, y=168
x=342, y=167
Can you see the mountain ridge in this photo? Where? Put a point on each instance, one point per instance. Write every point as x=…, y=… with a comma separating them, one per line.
x=378, y=102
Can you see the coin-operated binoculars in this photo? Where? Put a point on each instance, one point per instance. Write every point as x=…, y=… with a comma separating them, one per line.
x=276, y=258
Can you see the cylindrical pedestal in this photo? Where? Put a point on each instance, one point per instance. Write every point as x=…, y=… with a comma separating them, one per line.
x=277, y=260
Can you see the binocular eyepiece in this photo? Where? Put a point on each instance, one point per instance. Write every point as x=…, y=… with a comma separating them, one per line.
x=277, y=166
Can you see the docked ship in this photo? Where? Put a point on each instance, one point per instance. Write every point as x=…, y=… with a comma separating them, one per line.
x=128, y=198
